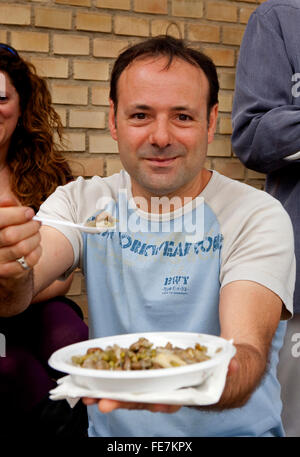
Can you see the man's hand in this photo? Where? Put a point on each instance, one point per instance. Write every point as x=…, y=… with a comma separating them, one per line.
x=106, y=405
x=19, y=236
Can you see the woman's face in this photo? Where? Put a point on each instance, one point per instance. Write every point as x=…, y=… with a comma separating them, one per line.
x=9, y=111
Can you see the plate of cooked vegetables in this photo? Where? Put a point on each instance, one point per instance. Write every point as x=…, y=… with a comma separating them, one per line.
x=143, y=362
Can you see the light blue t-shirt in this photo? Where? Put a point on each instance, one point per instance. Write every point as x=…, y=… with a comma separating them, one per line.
x=153, y=279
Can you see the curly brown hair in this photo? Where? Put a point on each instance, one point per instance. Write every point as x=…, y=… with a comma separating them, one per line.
x=34, y=158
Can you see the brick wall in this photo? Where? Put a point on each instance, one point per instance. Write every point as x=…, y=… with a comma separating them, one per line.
x=74, y=42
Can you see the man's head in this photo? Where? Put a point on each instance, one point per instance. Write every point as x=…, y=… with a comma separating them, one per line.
x=163, y=115
x=170, y=48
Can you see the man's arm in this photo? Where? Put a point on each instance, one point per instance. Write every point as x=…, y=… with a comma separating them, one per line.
x=45, y=249
x=55, y=289
x=265, y=117
x=249, y=314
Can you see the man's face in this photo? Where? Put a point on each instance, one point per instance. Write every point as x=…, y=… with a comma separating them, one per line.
x=161, y=127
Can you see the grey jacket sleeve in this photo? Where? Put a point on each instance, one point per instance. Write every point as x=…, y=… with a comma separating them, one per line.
x=266, y=114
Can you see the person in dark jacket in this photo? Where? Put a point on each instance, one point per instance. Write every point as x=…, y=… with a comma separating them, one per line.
x=266, y=138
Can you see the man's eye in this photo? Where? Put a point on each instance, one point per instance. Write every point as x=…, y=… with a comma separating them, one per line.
x=184, y=117
x=139, y=116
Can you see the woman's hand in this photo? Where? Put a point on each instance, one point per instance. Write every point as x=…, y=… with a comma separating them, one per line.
x=19, y=237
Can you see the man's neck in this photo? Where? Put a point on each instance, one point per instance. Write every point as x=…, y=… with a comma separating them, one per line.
x=160, y=204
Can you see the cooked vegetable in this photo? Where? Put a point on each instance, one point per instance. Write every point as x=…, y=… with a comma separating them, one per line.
x=141, y=355
x=103, y=220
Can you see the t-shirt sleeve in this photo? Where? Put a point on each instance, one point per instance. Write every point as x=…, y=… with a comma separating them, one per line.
x=260, y=248
x=60, y=206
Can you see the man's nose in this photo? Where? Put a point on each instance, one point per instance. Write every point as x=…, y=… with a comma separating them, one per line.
x=160, y=135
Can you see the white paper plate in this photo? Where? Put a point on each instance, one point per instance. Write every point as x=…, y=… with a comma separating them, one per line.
x=159, y=380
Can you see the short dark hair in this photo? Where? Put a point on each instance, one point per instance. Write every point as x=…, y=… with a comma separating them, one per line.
x=170, y=47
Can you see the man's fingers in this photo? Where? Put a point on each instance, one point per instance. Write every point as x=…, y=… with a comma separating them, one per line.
x=107, y=405
x=232, y=367
x=89, y=401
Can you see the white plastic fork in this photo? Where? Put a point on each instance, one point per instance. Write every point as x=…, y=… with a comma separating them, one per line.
x=82, y=228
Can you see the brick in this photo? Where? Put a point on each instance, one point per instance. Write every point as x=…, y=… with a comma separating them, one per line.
x=93, y=166
x=258, y=184
x=51, y=67
x=62, y=112
x=69, y=94
x=229, y=167
x=255, y=174
x=87, y=119
x=54, y=18
x=225, y=102
x=74, y=2
x=225, y=126
x=151, y=6
x=74, y=141
x=233, y=35
x=30, y=41
x=108, y=48
x=245, y=14
x=220, y=56
x=93, y=22
x=3, y=36
x=71, y=44
x=219, y=11
x=113, y=165
x=81, y=301
x=187, y=8
x=97, y=71
x=126, y=25
x=75, y=288
x=100, y=96
x=114, y=4
x=208, y=164
x=206, y=33
x=221, y=146
x=103, y=144
x=14, y=14
x=227, y=80
x=165, y=27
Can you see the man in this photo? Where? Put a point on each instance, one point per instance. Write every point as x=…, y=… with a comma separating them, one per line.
x=239, y=272
x=266, y=137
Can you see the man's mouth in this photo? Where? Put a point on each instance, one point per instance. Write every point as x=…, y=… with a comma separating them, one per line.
x=161, y=161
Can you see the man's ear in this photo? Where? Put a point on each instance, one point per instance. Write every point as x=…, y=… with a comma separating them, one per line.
x=112, y=120
x=212, y=122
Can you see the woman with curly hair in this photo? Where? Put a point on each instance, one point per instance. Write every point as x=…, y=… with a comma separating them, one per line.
x=31, y=167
